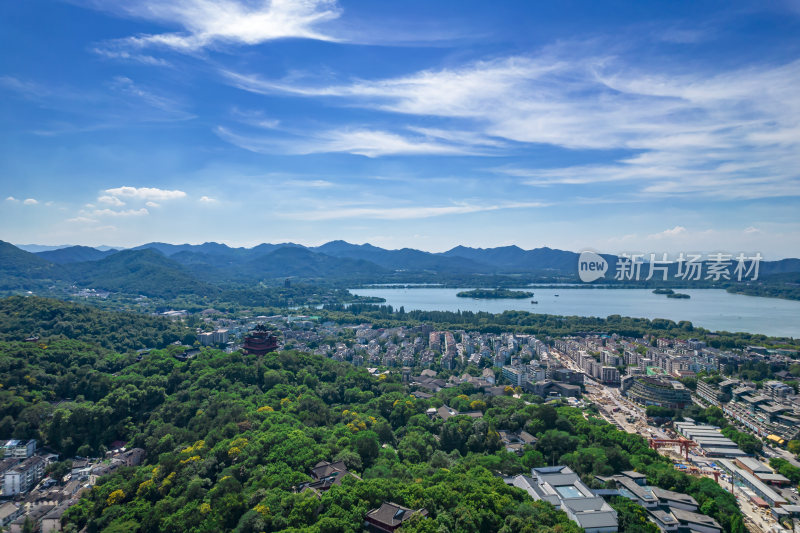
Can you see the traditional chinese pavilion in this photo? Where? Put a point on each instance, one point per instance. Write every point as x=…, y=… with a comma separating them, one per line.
x=260, y=341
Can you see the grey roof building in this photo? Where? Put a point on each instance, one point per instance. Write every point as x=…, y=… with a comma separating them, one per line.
x=675, y=500
x=767, y=493
x=669, y=510
x=390, y=516
x=562, y=487
x=696, y=522
x=9, y=512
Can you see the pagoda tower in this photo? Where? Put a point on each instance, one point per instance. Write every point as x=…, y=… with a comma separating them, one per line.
x=260, y=341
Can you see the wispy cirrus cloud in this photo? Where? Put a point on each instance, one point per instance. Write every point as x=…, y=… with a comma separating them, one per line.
x=145, y=193
x=135, y=93
x=119, y=51
x=124, y=213
x=360, y=141
x=403, y=213
x=731, y=133
x=209, y=23
x=110, y=200
x=82, y=220
x=309, y=184
x=116, y=103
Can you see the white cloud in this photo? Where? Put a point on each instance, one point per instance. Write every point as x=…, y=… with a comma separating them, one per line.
x=374, y=143
x=152, y=204
x=159, y=106
x=24, y=87
x=673, y=232
x=401, y=213
x=30, y=201
x=360, y=141
x=770, y=240
x=110, y=200
x=208, y=23
x=254, y=117
x=207, y=200
x=267, y=123
x=119, y=102
x=146, y=193
x=11, y=199
x=731, y=133
x=124, y=213
x=82, y=220
x=309, y=184
x=117, y=51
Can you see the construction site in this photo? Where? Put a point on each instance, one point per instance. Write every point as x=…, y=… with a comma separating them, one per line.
x=701, y=450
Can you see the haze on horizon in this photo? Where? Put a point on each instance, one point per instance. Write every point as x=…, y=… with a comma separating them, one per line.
x=649, y=127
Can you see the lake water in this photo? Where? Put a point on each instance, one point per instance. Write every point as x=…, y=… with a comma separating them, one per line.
x=713, y=309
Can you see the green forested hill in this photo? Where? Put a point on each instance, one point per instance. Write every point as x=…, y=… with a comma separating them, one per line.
x=785, y=285
x=138, y=272
x=228, y=436
x=21, y=270
x=145, y=272
x=295, y=261
x=50, y=319
x=75, y=254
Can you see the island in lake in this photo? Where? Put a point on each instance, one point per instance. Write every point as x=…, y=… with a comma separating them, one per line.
x=672, y=294
x=485, y=294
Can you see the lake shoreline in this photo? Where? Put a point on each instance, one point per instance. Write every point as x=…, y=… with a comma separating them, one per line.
x=711, y=309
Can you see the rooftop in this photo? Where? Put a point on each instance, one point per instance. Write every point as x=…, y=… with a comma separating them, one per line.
x=695, y=518
x=392, y=514
x=663, y=494
x=755, y=465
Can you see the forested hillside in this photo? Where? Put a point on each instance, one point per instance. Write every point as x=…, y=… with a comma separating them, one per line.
x=50, y=319
x=228, y=437
x=138, y=272
x=21, y=270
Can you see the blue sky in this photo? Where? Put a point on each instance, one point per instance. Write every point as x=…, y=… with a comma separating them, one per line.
x=620, y=126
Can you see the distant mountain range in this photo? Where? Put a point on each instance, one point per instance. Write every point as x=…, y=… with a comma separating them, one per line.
x=161, y=269
x=74, y=254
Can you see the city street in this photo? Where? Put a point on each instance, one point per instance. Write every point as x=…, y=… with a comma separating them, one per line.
x=626, y=415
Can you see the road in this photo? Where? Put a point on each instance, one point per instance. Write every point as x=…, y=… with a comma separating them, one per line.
x=783, y=454
x=627, y=417
x=632, y=418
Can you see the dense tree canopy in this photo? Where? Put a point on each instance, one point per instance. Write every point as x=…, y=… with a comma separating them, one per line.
x=228, y=438
x=49, y=319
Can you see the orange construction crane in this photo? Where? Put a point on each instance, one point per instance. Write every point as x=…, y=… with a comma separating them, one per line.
x=683, y=444
x=695, y=470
